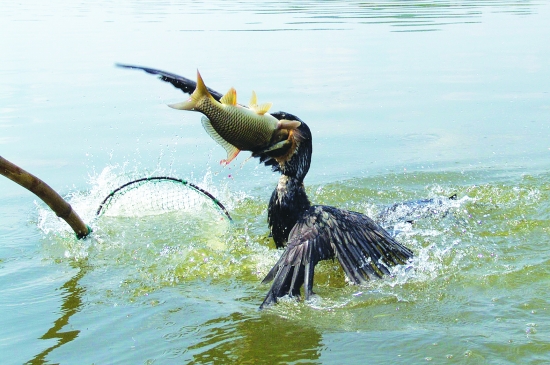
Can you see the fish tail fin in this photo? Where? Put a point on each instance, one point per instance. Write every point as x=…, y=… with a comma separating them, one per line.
x=200, y=92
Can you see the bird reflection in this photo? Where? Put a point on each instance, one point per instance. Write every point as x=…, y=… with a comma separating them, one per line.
x=245, y=339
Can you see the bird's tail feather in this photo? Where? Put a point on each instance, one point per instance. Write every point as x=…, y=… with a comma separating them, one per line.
x=287, y=280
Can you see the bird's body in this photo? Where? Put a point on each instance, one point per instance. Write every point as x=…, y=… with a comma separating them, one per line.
x=310, y=233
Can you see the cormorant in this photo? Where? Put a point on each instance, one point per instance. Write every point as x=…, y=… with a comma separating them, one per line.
x=311, y=233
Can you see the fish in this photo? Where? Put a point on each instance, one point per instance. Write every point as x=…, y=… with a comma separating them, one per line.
x=236, y=127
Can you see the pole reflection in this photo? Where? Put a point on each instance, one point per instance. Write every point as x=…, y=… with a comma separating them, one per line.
x=72, y=303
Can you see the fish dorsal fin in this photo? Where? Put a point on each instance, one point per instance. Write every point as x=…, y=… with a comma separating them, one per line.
x=231, y=150
x=259, y=109
x=262, y=109
x=253, y=100
x=230, y=97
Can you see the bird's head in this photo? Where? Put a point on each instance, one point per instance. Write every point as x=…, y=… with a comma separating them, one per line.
x=291, y=156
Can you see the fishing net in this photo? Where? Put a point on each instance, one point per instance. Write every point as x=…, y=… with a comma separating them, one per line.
x=158, y=195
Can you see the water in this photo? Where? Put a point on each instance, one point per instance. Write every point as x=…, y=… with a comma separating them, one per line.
x=406, y=100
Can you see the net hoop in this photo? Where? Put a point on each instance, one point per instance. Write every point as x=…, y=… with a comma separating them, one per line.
x=128, y=185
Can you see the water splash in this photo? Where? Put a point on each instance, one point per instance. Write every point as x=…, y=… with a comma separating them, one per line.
x=471, y=238
x=147, y=246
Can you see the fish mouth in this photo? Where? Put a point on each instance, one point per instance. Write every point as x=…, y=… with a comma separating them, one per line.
x=288, y=124
x=283, y=138
x=283, y=143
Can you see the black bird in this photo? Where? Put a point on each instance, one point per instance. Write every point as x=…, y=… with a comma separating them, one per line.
x=311, y=233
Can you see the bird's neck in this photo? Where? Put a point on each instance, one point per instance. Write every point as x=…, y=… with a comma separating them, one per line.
x=288, y=202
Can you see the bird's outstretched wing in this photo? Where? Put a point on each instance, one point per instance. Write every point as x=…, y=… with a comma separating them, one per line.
x=188, y=86
x=180, y=82
x=364, y=249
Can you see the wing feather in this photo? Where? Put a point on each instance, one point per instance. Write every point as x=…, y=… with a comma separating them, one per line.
x=364, y=250
x=184, y=84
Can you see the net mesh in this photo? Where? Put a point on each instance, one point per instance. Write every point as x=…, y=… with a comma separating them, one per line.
x=157, y=195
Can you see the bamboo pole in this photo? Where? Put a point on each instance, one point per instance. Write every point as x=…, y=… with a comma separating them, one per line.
x=42, y=190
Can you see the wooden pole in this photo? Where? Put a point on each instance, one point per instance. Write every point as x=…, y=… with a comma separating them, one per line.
x=42, y=190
